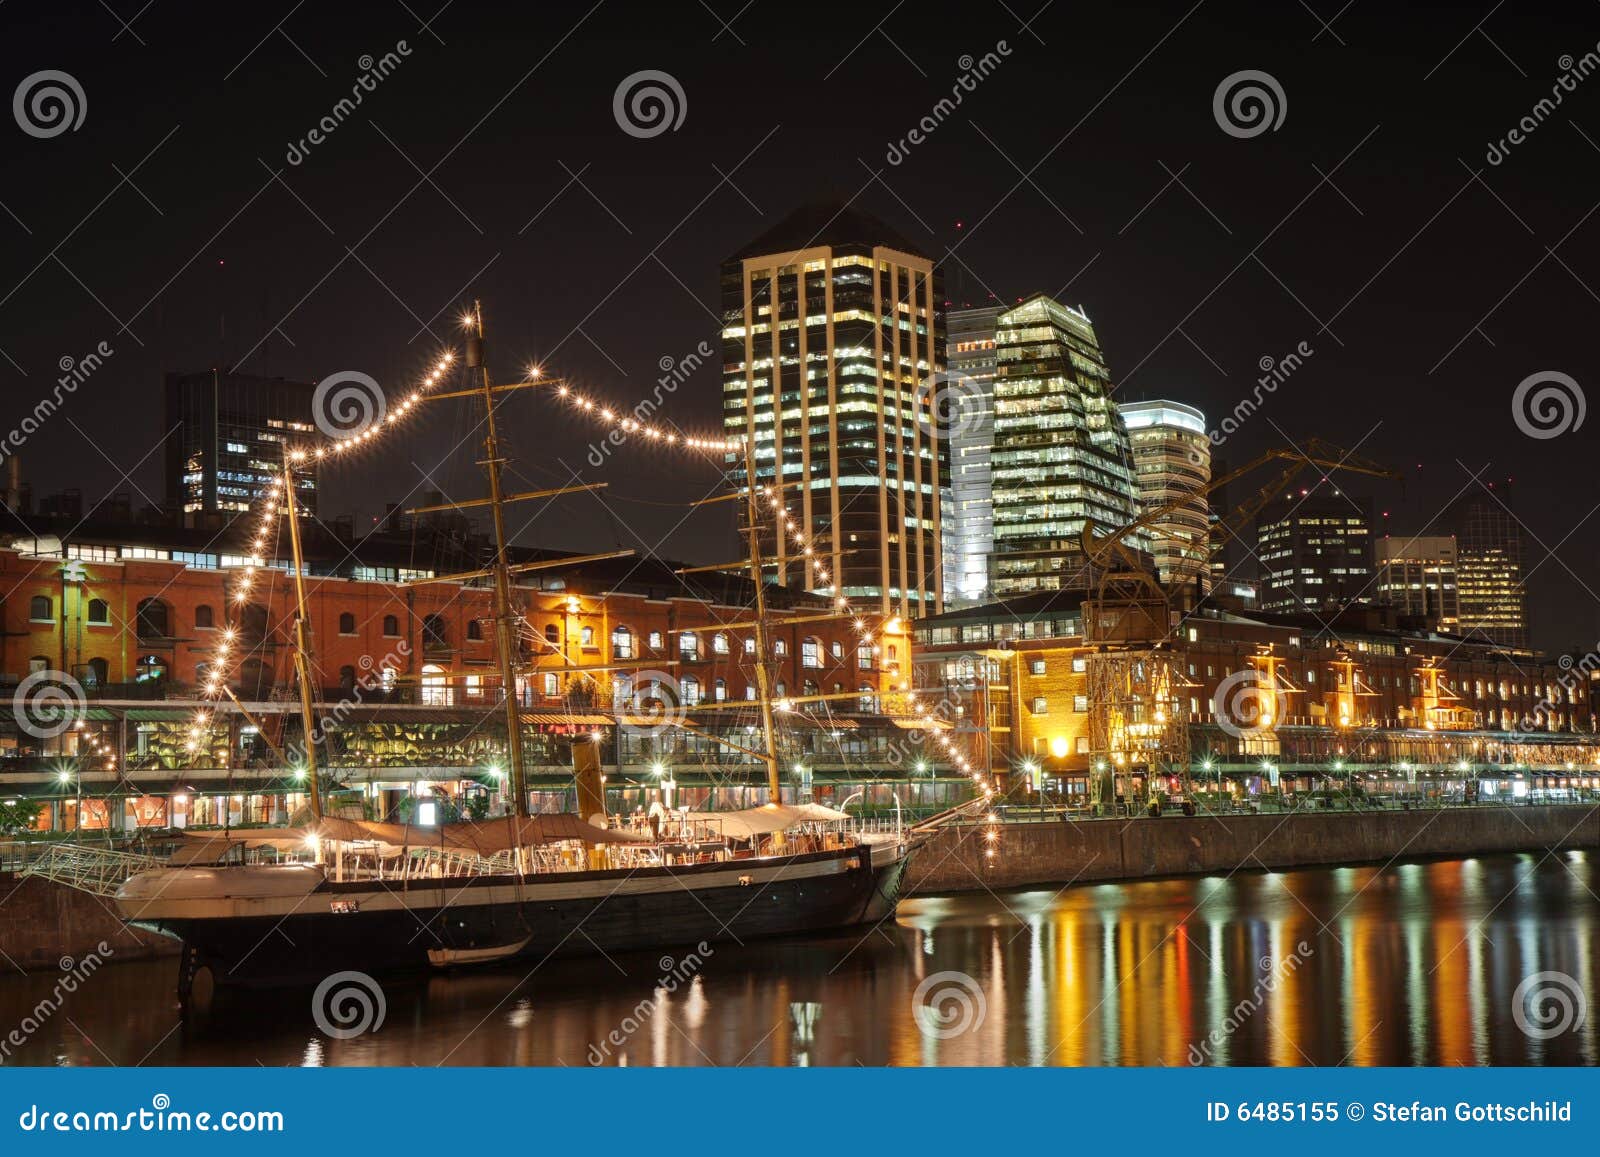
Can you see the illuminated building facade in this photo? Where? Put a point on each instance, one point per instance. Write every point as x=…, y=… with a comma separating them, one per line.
x=969, y=519
x=1418, y=577
x=1314, y=549
x=1491, y=562
x=1061, y=451
x=833, y=342
x=1396, y=705
x=1172, y=456
x=226, y=442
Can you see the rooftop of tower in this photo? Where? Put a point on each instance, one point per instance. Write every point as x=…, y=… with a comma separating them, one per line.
x=831, y=223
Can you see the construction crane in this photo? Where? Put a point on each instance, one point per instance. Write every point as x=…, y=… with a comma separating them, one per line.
x=1137, y=720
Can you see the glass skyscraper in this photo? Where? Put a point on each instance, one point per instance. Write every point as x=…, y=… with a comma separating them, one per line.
x=969, y=517
x=1061, y=450
x=1172, y=455
x=833, y=349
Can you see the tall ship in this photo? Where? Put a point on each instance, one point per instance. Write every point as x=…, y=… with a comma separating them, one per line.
x=340, y=891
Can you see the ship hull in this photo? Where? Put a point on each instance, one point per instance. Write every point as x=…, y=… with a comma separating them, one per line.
x=246, y=938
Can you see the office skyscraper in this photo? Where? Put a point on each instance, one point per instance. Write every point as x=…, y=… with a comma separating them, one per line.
x=1490, y=565
x=969, y=518
x=1061, y=450
x=833, y=345
x=1314, y=549
x=227, y=432
x=1418, y=576
x=1172, y=457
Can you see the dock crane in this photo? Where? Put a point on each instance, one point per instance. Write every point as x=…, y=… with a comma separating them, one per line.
x=1137, y=719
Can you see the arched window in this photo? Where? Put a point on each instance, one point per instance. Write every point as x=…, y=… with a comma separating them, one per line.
x=622, y=643
x=391, y=627
x=433, y=631
x=689, y=690
x=99, y=672
x=204, y=618
x=347, y=623
x=719, y=690
x=38, y=663
x=435, y=689
x=689, y=647
x=587, y=637
x=153, y=619
x=475, y=629
x=255, y=679
x=41, y=609
x=347, y=678
x=808, y=688
x=869, y=701
x=552, y=634
x=750, y=646
x=780, y=648
x=99, y=613
x=253, y=622
x=811, y=652
x=151, y=669
x=780, y=690
x=719, y=643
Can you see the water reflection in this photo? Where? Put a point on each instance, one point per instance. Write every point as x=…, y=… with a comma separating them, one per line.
x=1416, y=964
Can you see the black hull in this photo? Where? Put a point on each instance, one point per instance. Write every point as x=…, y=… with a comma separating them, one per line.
x=697, y=905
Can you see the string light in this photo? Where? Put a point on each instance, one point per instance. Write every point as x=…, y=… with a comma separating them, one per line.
x=271, y=505
x=628, y=424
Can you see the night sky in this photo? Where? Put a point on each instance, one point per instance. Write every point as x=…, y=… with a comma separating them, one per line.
x=1369, y=224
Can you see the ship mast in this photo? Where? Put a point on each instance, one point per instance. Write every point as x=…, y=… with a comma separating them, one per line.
x=505, y=618
x=302, y=637
x=763, y=687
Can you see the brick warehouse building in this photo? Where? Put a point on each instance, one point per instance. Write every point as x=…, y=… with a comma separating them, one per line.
x=606, y=645
x=1362, y=693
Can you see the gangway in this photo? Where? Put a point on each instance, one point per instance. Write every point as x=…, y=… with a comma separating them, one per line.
x=99, y=871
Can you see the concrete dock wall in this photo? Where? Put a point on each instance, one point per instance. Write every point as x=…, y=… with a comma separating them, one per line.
x=41, y=922
x=1056, y=852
